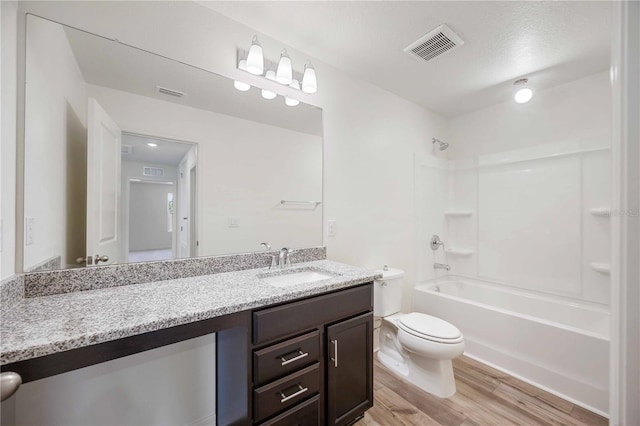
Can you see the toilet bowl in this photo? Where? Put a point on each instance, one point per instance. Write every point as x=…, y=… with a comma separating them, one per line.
x=415, y=346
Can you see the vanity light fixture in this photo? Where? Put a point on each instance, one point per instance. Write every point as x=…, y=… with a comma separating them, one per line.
x=281, y=72
x=241, y=85
x=255, y=58
x=295, y=84
x=268, y=94
x=284, y=72
x=290, y=101
x=523, y=94
x=309, y=80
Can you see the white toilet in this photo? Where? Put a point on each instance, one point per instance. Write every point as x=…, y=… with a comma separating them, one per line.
x=417, y=347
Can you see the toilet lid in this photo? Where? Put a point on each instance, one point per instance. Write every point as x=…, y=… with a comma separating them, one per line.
x=429, y=327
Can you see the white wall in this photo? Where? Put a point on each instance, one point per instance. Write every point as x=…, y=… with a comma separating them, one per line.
x=272, y=164
x=539, y=169
x=566, y=112
x=55, y=152
x=9, y=12
x=149, y=221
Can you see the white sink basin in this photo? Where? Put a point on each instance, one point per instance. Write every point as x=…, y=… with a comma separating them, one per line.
x=295, y=278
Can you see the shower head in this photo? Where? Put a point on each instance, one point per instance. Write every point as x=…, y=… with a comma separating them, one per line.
x=443, y=145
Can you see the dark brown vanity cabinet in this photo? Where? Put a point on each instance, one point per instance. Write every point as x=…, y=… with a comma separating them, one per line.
x=313, y=359
x=350, y=369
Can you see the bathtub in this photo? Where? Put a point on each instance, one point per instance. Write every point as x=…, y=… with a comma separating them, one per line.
x=558, y=345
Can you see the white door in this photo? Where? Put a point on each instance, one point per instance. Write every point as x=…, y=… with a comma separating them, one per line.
x=183, y=210
x=103, y=187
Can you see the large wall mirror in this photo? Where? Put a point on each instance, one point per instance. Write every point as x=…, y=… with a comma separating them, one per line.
x=131, y=156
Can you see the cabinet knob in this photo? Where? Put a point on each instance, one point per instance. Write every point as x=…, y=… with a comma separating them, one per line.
x=9, y=384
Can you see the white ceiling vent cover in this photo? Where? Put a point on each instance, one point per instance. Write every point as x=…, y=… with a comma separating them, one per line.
x=435, y=43
x=153, y=171
x=170, y=92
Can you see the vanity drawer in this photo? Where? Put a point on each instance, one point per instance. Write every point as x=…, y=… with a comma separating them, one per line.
x=279, y=360
x=305, y=414
x=286, y=392
x=272, y=323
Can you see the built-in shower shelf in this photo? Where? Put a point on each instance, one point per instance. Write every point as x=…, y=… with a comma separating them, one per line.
x=603, y=268
x=601, y=211
x=458, y=213
x=459, y=252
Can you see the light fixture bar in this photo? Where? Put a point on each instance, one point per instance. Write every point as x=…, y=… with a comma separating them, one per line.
x=270, y=65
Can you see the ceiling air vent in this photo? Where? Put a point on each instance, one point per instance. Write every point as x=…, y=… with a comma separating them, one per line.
x=435, y=43
x=170, y=92
x=153, y=171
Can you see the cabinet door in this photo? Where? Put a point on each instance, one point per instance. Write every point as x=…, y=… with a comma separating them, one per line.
x=349, y=369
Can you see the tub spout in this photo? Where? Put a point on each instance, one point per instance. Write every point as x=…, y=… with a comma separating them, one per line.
x=441, y=266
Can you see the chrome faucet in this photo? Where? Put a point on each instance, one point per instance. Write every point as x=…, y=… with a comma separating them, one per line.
x=283, y=258
x=441, y=266
x=274, y=261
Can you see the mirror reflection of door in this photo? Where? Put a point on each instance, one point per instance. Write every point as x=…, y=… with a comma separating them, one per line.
x=103, y=187
x=152, y=196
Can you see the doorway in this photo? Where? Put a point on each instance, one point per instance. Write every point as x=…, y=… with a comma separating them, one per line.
x=154, y=196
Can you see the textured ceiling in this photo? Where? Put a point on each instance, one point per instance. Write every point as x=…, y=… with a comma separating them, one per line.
x=549, y=42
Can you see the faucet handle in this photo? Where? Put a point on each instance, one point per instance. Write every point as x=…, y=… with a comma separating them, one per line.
x=284, y=257
x=266, y=246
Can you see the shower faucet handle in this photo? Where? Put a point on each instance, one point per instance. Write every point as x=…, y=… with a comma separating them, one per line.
x=436, y=242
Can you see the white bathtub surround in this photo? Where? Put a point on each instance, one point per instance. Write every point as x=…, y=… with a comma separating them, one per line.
x=559, y=345
x=528, y=217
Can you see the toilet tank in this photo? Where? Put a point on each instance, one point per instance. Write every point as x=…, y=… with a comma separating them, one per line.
x=387, y=292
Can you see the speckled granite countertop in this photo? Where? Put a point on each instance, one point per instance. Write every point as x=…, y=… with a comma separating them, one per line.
x=44, y=325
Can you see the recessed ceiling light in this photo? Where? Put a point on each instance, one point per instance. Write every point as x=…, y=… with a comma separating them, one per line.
x=152, y=145
x=523, y=94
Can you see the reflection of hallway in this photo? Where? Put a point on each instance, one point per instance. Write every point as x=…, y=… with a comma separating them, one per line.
x=149, y=255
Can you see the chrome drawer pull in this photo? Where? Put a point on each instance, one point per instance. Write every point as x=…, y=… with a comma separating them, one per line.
x=286, y=361
x=300, y=391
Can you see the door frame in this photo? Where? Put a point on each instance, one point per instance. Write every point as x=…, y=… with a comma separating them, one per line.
x=624, y=371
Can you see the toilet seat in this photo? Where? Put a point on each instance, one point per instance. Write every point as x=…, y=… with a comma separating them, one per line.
x=429, y=328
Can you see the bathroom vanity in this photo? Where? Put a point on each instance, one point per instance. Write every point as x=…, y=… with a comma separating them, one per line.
x=300, y=354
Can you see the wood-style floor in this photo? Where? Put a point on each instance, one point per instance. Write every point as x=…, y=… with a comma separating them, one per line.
x=485, y=397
